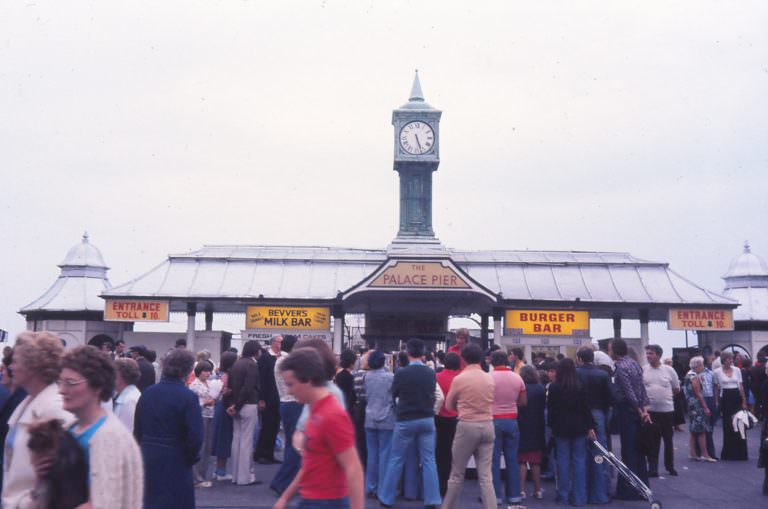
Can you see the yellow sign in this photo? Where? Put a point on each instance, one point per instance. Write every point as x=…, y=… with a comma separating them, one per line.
x=546, y=322
x=117, y=310
x=418, y=275
x=700, y=319
x=281, y=317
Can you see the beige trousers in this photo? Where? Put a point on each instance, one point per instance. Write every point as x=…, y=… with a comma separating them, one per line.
x=243, y=427
x=472, y=439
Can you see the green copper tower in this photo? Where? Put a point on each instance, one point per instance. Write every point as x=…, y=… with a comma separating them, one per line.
x=417, y=155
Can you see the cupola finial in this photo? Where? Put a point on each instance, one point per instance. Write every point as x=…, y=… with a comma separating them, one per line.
x=747, y=247
x=416, y=93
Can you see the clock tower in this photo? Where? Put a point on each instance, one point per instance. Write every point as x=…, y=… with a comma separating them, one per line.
x=417, y=155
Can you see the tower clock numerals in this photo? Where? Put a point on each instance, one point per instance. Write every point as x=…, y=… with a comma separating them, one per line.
x=417, y=138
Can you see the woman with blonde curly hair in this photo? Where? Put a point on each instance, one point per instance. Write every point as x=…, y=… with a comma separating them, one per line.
x=36, y=367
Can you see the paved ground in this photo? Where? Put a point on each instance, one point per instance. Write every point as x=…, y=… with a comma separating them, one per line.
x=731, y=485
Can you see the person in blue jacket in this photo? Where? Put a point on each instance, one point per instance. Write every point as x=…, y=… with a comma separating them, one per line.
x=169, y=429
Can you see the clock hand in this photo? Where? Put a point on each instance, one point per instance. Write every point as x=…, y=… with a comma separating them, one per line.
x=418, y=142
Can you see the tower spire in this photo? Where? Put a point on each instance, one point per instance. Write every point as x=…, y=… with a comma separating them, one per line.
x=416, y=93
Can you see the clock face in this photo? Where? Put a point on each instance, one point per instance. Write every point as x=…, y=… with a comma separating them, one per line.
x=417, y=138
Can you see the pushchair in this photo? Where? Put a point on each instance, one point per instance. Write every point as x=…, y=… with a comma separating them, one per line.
x=626, y=473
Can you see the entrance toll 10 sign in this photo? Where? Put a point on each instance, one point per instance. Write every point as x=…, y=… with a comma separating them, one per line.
x=700, y=319
x=546, y=322
x=120, y=310
x=284, y=317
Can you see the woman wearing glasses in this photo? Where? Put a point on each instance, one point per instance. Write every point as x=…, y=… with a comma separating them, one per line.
x=36, y=366
x=116, y=475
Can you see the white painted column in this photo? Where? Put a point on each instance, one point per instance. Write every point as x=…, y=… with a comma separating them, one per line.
x=338, y=328
x=528, y=353
x=191, y=310
x=497, y=331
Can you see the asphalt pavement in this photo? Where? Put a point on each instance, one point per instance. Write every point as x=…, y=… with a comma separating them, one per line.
x=726, y=484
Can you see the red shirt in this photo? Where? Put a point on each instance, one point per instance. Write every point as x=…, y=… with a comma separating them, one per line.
x=444, y=380
x=328, y=432
x=457, y=350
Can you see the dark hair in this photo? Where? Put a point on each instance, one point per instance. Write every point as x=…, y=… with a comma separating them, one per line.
x=95, y=366
x=472, y=354
x=232, y=349
x=566, y=377
x=251, y=348
x=66, y=480
x=499, y=358
x=288, y=343
x=325, y=352
x=226, y=362
x=619, y=347
x=347, y=358
x=494, y=347
x=559, y=356
x=518, y=352
x=586, y=354
x=177, y=364
x=415, y=348
x=657, y=349
x=307, y=365
x=203, y=366
x=529, y=375
x=128, y=370
x=120, y=342
x=181, y=343
x=402, y=359
x=452, y=361
x=375, y=359
x=440, y=356
x=543, y=376
x=150, y=355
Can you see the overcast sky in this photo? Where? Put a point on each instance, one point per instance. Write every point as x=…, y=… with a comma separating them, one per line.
x=163, y=126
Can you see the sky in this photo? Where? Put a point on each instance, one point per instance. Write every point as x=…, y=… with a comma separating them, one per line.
x=159, y=127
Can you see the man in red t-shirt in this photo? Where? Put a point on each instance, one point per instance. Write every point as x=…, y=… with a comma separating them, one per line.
x=462, y=338
x=331, y=473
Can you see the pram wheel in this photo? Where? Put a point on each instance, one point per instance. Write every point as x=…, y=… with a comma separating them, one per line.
x=655, y=504
x=599, y=459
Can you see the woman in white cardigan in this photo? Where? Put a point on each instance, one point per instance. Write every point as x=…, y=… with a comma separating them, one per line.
x=116, y=471
x=35, y=367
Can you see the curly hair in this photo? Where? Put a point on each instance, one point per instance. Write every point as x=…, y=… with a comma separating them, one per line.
x=178, y=363
x=95, y=366
x=40, y=353
x=128, y=369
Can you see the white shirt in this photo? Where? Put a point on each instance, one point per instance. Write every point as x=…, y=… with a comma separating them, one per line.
x=125, y=405
x=728, y=382
x=204, y=391
x=282, y=390
x=659, y=385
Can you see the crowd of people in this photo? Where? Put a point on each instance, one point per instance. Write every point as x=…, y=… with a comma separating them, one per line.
x=112, y=428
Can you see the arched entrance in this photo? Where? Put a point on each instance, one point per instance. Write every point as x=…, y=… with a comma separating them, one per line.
x=737, y=349
x=100, y=339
